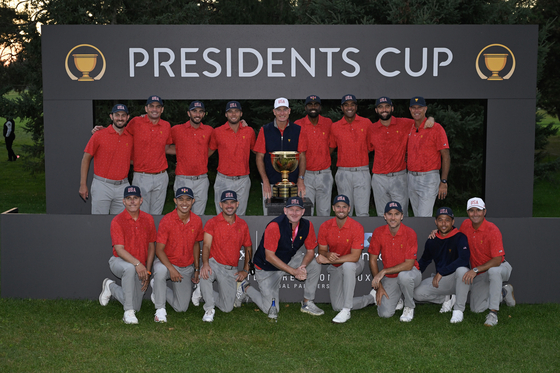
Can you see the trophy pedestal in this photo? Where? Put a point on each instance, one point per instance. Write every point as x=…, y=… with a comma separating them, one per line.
x=276, y=206
x=284, y=190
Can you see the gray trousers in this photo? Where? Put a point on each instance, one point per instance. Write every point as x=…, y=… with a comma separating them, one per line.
x=390, y=187
x=423, y=190
x=153, y=189
x=318, y=188
x=227, y=286
x=179, y=295
x=448, y=285
x=341, y=286
x=356, y=186
x=402, y=285
x=269, y=283
x=130, y=292
x=199, y=186
x=486, y=289
x=239, y=184
x=106, y=197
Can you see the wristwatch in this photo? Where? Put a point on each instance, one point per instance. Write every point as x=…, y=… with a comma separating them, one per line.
x=444, y=181
x=475, y=269
x=302, y=177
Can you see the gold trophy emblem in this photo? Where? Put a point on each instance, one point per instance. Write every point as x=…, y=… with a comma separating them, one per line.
x=85, y=63
x=495, y=62
x=284, y=162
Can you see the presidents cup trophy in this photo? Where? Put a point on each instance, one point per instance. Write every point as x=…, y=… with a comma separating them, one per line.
x=85, y=63
x=495, y=62
x=284, y=162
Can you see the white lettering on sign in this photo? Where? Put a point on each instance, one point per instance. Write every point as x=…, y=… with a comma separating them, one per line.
x=407, y=61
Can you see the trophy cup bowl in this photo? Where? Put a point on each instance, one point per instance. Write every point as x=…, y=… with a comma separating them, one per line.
x=495, y=62
x=284, y=162
x=85, y=63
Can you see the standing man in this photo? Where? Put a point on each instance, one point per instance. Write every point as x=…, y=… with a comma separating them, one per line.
x=10, y=136
x=349, y=135
x=281, y=253
x=388, y=138
x=449, y=249
x=280, y=135
x=234, y=143
x=224, y=236
x=152, y=135
x=178, y=256
x=397, y=245
x=428, y=152
x=112, y=149
x=341, y=241
x=192, y=140
x=133, y=234
x=318, y=181
x=488, y=263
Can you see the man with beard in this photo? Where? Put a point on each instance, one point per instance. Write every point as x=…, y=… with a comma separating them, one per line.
x=287, y=247
x=341, y=241
x=234, y=143
x=397, y=245
x=428, y=152
x=280, y=135
x=178, y=256
x=224, y=236
x=449, y=249
x=388, y=138
x=349, y=137
x=318, y=181
x=191, y=141
x=112, y=149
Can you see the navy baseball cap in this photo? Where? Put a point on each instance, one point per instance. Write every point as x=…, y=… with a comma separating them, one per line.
x=132, y=190
x=197, y=104
x=383, y=100
x=341, y=198
x=393, y=205
x=348, y=98
x=228, y=195
x=445, y=211
x=119, y=107
x=294, y=201
x=418, y=101
x=184, y=191
x=233, y=105
x=312, y=98
x=154, y=99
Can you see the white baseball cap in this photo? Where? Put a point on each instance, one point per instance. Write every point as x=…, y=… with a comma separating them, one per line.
x=281, y=101
x=476, y=202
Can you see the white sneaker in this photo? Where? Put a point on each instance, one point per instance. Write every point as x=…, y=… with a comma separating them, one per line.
x=509, y=298
x=491, y=319
x=161, y=315
x=373, y=293
x=311, y=308
x=240, y=294
x=152, y=297
x=407, y=314
x=208, y=316
x=342, y=316
x=400, y=305
x=129, y=317
x=196, y=295
x=457, y=317
x=105, y=292
x=448, y=304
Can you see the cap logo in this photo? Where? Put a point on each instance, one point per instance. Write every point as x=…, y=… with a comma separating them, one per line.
x=313, y=97
x=197, y=104
x=154, y=98
x=382, y=99
x=393, y=204
x=229, y=195
x=120, y=107
x=415, y=100
x=348, y=97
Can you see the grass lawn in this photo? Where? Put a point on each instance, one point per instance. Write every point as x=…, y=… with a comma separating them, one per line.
x=82, y=336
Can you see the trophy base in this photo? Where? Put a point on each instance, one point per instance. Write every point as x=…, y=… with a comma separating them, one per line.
x=284, y=191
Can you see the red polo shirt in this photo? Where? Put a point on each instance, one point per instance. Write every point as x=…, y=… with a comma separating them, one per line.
x=351, y=141
x=272, y=236
x=149, y=144
x=111, y=152
x=227, y=239
x=233, y=148
x=389, y=144
x=179, y=238
x=317, y=136
x=134, y=235
x=394, y=250
x=485, y=242
x=424, y=147
x=191, y=145
x=341, y=241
